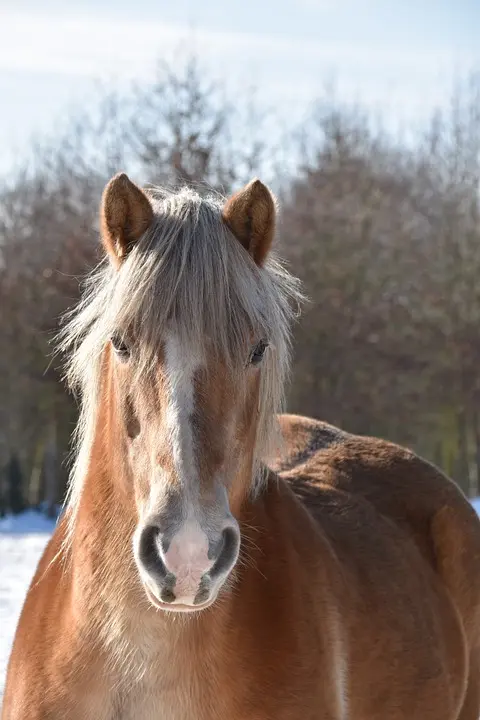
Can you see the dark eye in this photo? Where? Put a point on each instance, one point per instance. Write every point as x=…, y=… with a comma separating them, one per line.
x=120, y=346
x=258, y=352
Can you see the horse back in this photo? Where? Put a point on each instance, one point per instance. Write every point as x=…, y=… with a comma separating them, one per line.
x=330, y=470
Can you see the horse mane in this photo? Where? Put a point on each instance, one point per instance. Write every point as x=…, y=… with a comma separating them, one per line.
x=189, y=270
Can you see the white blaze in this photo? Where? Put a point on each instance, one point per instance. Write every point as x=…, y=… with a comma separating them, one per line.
x=181, y=365
x=187, y=555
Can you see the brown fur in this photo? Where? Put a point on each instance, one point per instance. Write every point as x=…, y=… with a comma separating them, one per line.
x=361, y=551
x=356, y=594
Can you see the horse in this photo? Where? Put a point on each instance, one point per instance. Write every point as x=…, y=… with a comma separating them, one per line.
x=217, y=558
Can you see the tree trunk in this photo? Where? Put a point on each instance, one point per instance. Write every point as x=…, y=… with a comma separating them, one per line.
x=463, y=470
x=34, y=486
x=476, y=427
x=50, y=467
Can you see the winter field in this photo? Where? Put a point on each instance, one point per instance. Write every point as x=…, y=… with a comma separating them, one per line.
x=22, y=540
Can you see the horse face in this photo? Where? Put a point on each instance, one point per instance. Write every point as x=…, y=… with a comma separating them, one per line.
x=189, y=430
x=188, y=417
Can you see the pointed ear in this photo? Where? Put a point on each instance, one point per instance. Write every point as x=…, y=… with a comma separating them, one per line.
x=125, y=214
x=250, y=215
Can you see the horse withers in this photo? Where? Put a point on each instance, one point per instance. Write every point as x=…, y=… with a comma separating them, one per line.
x=193, y=578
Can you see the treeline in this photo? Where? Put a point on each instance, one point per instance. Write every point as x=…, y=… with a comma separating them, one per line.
x=384, y=232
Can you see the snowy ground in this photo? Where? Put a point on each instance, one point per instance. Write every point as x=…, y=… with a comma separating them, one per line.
x=22, y=540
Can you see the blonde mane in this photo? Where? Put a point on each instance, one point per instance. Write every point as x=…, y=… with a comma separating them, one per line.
x=189, y=270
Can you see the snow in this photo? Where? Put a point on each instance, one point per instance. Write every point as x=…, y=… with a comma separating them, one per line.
x=476, y=504
x=28, y=523
x=22, y=540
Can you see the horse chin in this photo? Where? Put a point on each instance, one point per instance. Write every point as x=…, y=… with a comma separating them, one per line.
x=177, y=607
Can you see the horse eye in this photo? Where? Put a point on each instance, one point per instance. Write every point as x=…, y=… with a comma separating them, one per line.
x=258, y=352
x=120, y=346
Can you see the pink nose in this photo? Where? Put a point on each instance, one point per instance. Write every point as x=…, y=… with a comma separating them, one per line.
x=187, y=559
x=188, y=568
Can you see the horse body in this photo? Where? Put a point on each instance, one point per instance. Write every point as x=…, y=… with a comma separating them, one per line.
x=354, y=592
x=367, y=627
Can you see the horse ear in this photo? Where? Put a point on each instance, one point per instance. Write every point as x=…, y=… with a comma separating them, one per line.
x=250, y=215
x=125, y=214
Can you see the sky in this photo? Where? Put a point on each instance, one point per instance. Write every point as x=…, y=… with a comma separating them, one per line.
x=398, y=57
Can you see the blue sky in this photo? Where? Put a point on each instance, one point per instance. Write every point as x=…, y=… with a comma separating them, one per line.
x=400, y=57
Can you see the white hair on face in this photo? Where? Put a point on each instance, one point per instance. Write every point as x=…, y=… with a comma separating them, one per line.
x=188, y=272
x=180, y=370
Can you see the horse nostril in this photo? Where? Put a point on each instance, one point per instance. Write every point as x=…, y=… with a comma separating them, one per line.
x=229, y=545
x=167, y=596
x=149, y=552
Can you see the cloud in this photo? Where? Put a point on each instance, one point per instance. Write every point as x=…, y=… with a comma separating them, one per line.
x=100, y=46
x=49, y=59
